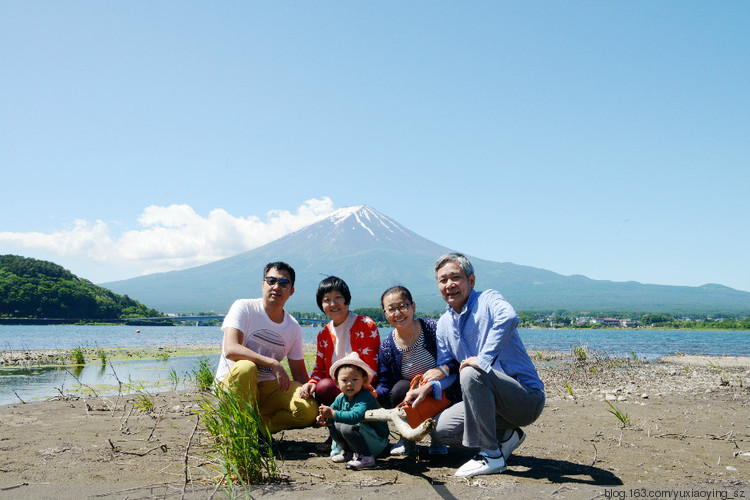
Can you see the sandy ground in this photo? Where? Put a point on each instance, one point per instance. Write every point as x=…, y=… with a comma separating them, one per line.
x=688, y=432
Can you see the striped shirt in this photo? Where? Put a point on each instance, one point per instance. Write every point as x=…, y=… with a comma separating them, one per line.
x=415, y=359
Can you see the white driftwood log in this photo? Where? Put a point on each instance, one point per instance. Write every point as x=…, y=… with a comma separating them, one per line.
x=398, y=417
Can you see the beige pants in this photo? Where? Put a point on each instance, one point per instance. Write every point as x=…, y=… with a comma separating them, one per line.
x=279, y=410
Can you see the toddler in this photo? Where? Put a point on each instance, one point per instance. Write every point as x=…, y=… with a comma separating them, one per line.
x=359, y=442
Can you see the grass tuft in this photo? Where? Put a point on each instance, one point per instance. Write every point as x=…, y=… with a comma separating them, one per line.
x=203, y=375
x=240, y=442
x=174, y=378
x=579, y=353
x=144, y=401
x=77, y=356
x=569, y=388
x=621, y=416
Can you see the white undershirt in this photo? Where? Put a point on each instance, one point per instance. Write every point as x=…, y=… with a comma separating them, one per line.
x=343, y=337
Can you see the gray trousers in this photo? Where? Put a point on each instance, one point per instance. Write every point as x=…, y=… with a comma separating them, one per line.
x=349, y=438
x=492, y=403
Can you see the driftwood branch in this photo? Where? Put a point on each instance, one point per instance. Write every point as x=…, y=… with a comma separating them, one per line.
x=398, y=417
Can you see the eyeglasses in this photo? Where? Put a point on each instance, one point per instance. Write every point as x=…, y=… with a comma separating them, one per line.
x=283, y=282
x=392, y=310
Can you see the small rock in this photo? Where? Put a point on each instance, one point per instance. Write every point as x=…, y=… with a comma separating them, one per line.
x=644, y=396
x=729, y=467
x=610, y=397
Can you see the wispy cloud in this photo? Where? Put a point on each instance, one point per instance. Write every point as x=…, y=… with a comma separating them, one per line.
x=173, y=237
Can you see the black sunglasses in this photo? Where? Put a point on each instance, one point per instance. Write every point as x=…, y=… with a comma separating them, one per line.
x=283, y=282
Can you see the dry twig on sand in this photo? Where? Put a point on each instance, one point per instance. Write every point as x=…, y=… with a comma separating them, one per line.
x=187, y=448
x=19, y=397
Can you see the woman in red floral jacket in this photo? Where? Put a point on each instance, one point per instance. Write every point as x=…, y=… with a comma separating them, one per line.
x=346, y=332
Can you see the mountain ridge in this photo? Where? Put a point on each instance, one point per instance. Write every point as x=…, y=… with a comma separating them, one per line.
x=372, y=252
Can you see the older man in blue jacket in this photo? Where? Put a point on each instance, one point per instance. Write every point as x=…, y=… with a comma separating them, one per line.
x=501, y=388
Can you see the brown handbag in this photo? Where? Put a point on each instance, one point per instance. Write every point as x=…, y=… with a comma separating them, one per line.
x=427, y=408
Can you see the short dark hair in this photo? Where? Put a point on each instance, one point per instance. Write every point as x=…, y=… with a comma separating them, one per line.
x=280, y=266
x=405, y=293
x=330, y=284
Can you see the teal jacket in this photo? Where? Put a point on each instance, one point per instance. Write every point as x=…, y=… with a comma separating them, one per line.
x=352, y=412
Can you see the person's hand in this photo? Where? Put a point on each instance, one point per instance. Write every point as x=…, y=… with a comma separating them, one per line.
x=433, y=374
x=282, y=377
x=321, y=420
x=307, y=390
x=416, y=396
x=325, y=412
x=472, y=361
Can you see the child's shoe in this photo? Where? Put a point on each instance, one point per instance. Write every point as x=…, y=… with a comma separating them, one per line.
x=342, y=457
x=403, y=447
x=361, y=462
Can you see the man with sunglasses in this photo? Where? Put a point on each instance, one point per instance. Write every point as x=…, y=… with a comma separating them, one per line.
x=258, y=335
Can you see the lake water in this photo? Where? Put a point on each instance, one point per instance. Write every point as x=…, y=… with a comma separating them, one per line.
x=30, y=384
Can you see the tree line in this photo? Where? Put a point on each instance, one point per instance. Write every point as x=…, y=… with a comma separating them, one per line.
x=31, y=288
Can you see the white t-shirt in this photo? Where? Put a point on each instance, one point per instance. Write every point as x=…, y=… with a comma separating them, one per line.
x=343, y=335
x=262, y=335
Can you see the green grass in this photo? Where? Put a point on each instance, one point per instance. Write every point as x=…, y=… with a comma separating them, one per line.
x=174, y=379
x=203, y=374
x=144, y=401
x=579, y=353
x=621, y=416
x=240, y=442
x=569, y=388
x=77, y=356
x=102, y=356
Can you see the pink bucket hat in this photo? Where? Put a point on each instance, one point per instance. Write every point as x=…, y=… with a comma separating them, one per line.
x=352, y=359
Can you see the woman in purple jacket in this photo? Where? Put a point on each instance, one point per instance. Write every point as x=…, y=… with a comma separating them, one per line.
x=409, y=350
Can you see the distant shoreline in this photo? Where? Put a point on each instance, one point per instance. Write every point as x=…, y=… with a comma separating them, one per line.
x=61, y=357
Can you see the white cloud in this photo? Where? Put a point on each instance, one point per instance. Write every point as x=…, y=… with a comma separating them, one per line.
x=173, y=237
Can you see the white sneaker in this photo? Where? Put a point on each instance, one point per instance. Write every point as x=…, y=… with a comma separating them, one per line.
x=342, y=457
x=481, y=464
x=403, y=447
x=361, y=462
x=514, y=441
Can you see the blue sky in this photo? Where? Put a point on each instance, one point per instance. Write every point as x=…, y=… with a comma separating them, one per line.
x=608, y=139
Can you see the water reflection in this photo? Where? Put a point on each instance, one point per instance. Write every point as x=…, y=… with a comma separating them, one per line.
x=37, y=383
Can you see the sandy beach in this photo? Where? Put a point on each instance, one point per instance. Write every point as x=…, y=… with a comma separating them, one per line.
x=688, y=432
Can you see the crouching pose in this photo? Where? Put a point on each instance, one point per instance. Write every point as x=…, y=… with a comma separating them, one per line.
x=501, y=389
x=258, y=335
x=356, y=441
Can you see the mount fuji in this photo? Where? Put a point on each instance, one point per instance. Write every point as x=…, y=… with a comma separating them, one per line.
x=372, y=252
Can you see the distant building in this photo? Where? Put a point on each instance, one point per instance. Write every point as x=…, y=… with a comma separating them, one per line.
x=616, y=322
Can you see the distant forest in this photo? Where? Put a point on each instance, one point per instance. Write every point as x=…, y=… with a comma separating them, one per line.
x=579, y=319
x=31, y=288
